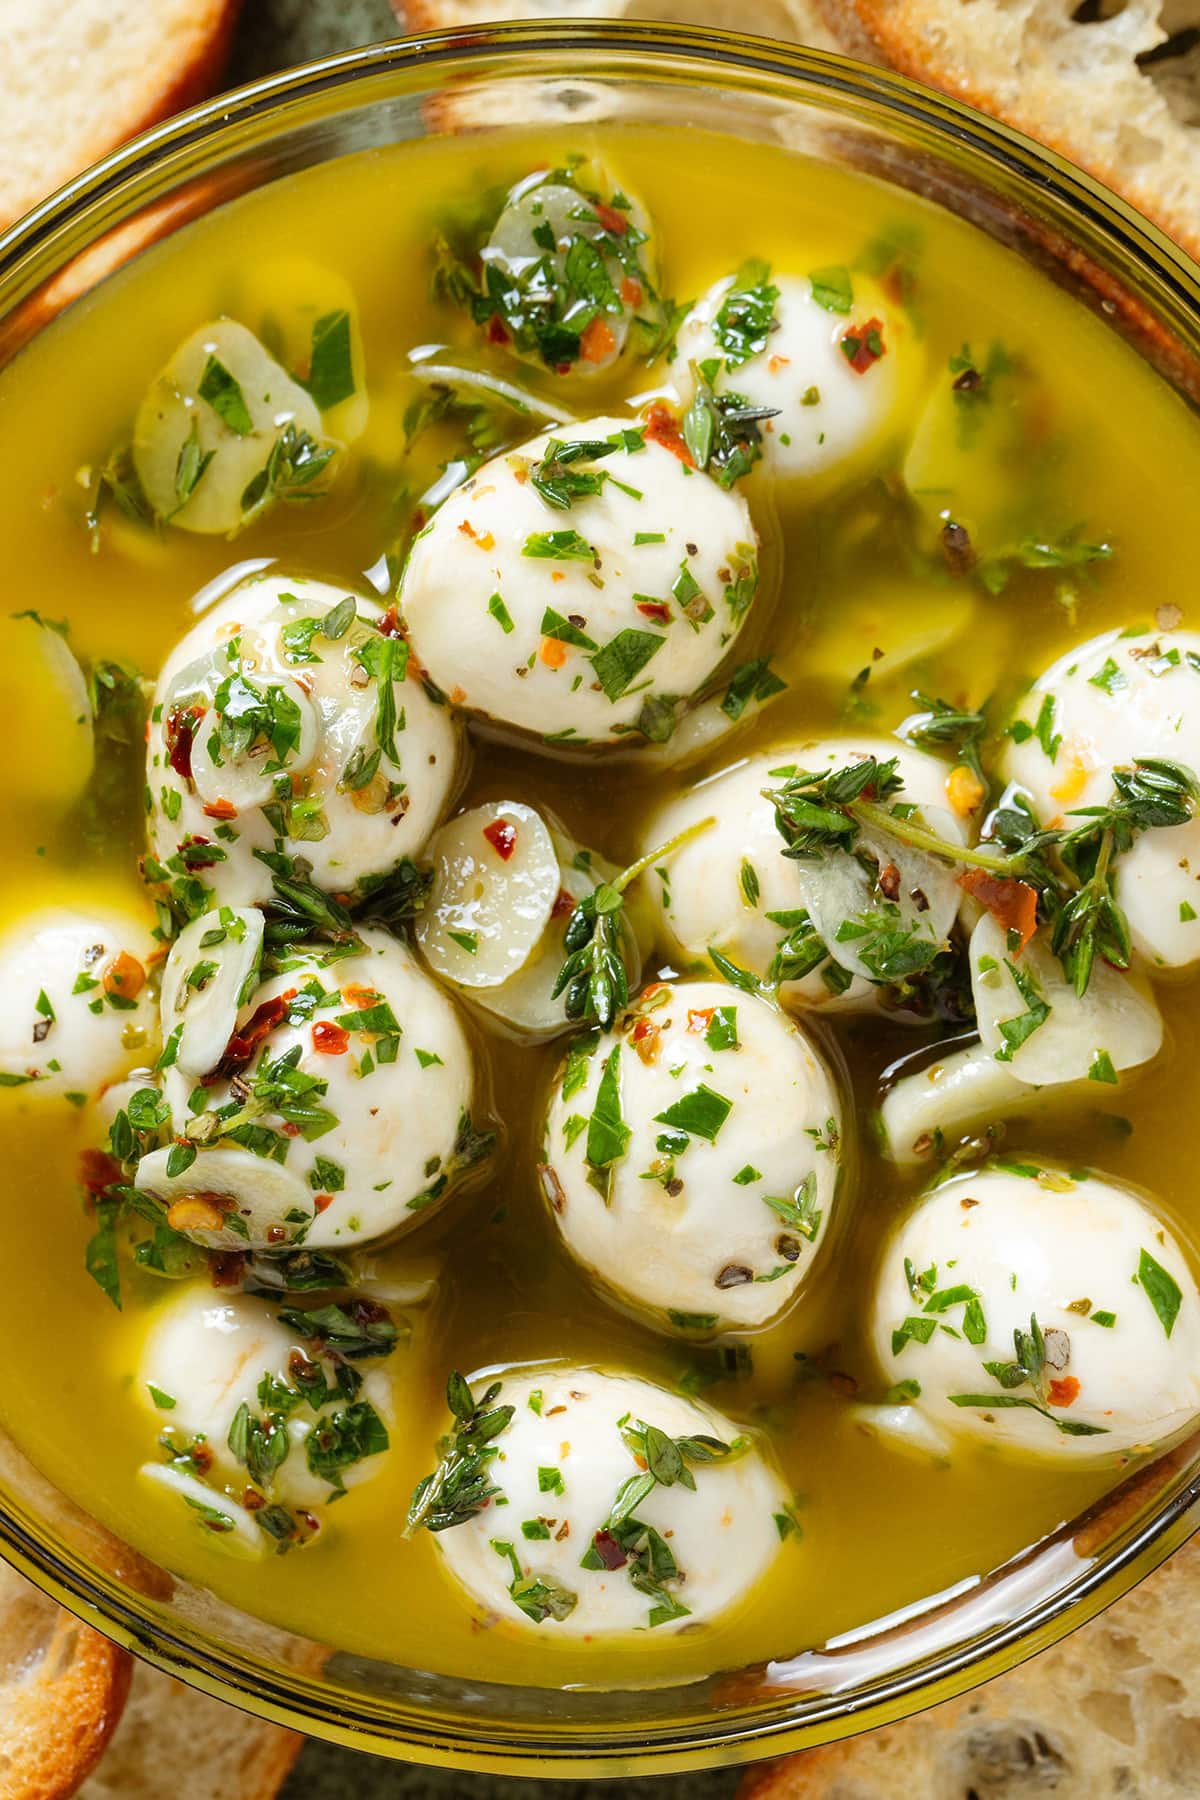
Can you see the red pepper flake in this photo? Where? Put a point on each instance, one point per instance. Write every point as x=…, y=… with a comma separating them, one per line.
x=563, y=904
x=180, y=735
x=244, y=1042
x=220, y=809
x=646, y=1037
x=97, y=1171
x=202, y=1458
x=330, y=1039
x=660, y=426
x=631, y=291
x=195, y=842
x=655, y=609
x=225, y=1268
x=610, y=218
x=699, y=1019
x=596, y=341
x=277, y=1234
x=252, y=1500
x=863, y=345
x=362, y=997
x=321, y=1202
x=1064, y=1391
x=501, y=834
x=389, y=625
x=609, y=1551
x=888, y=881
x=497, y=332
x=1013, y=904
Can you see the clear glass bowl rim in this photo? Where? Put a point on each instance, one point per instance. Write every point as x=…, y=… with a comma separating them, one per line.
x=1168, y=281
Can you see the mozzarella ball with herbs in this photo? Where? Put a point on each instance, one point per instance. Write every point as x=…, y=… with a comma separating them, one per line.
x=505, y=884
x=827, y=354
x=824, y=929
x=1117, y=699
x=338, y=1109
x=1045, y=1312
x=76, y=1012
x=691, y=1157
x=581, y=587
x=566, y=275
x=288, y=725
x=626, y=1508
x=258, y=1407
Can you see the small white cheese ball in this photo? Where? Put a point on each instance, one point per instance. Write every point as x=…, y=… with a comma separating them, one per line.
x=839, y=364
x=581, y=625
x=691, y=1156
x=732, y=889
x=75, y=1010
x=261, y=722
x=572, y=1447
x=504, y=887
x=349, y=1083
x=1117, y=1369
x=205, y=1356
x=550, y=222
x=1100, y=707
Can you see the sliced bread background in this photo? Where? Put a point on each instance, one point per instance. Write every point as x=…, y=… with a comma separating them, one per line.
x=78, y=77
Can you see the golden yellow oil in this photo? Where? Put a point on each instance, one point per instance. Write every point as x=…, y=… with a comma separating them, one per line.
x=879, y=1529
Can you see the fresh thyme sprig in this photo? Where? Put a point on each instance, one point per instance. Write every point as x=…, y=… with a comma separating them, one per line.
x=461, y=1485
x=593, y=977
x=1069, y=868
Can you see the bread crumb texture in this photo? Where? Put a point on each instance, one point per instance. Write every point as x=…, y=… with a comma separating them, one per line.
x=79, y=77
x=801, y=20
x=1114, y=1710
x=1112, y=84
x=62, y=1687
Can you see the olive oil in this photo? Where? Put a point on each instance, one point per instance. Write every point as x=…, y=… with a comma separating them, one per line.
x=1117, y=461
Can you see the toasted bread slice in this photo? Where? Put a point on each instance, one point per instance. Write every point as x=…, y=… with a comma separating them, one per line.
x=1113, y=86
x=79, y=77
x=62, y=1688
x=175, y=1740
x=801, y=20
x=1112, y=1710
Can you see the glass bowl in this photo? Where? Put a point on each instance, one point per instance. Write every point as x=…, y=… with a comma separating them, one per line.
x=1047, y=212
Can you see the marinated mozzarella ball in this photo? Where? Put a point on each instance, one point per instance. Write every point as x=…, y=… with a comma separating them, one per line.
x=589, y=624
x=1041, y=1311
x=691, y=1156
x=338, y=1108
x=224, y=431
x=835, y=359
x=75, y=1010
x=813, y=927
x=577, y=1550
x=241, y=1397
x=289, y=722
x=566, y=272
x=504, y=887
x=1114, y=700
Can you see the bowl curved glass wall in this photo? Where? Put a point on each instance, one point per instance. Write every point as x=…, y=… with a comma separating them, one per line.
x=1085, y=239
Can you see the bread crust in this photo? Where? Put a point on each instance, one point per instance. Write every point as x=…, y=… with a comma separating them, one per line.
x=928, y=41
x=171, y=85
x=65, y=1691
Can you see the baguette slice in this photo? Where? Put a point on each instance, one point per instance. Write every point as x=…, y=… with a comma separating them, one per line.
x=1112, y=1710
x=799, y=20
x=176, y=1742
x=62, y=1688
x=78, y=77
x=1115, y=87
